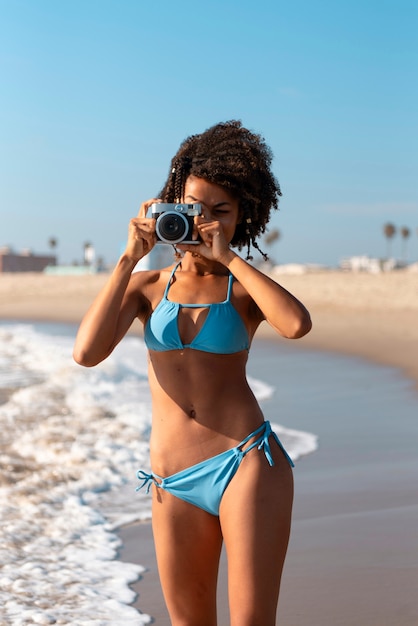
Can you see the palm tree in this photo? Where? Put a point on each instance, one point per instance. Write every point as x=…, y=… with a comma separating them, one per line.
x=405, y=232
x=389, y=230
x=52, y=243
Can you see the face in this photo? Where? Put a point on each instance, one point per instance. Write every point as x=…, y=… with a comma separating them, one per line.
x=217, y=203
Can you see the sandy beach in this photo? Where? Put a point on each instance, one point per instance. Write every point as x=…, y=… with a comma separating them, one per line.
x=353, y=559
x=369, y=315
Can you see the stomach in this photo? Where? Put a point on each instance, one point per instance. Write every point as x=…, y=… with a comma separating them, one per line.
x=202, y=406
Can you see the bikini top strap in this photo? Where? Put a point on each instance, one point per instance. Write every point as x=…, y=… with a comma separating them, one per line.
x=168, y=285
x=230, y=281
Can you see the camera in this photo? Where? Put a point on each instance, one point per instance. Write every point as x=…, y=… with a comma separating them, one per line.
x=174, y=222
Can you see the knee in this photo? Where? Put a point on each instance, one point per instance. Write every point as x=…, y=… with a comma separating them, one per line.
x=253, y=617
x=191, y=618
x=196, y=608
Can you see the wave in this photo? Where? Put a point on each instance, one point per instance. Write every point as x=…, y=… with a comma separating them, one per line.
x=72, y=441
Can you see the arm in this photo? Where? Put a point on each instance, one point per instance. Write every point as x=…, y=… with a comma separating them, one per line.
x=109, y=317
x=120, y=301
x=279, y=307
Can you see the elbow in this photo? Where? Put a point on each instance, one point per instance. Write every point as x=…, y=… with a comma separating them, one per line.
x=82, y=357
x=303, y=327
x=300, y=327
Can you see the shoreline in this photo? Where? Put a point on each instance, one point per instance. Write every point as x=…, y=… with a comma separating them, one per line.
x=355, y=514
x=372, y=316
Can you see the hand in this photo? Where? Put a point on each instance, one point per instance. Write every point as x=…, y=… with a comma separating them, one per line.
x=214, y=245
x=141, y=234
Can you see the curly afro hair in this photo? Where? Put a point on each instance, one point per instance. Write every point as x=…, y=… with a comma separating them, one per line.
x=233, y=157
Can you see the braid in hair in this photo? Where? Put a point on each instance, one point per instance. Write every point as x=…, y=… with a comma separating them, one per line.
x=252, y=241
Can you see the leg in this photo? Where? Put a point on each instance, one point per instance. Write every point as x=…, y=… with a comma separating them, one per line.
x=188, y=544
x=255, y=517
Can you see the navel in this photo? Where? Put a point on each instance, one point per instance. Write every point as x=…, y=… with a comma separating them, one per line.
x=192, y=413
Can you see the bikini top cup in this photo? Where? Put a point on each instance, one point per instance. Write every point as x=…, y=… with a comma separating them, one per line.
x=223, y=331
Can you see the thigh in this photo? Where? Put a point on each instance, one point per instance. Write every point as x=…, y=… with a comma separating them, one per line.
x=188, y=543
x=255, y=518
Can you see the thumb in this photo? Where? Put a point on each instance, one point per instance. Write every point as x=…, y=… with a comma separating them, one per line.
x=146, y=205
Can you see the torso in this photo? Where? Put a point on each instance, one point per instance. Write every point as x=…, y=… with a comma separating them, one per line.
x=202, y=404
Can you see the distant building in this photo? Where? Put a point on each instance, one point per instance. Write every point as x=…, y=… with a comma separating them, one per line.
x=366, y=264
x=26, y=261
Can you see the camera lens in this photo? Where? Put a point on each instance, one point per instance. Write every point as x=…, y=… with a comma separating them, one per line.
x=171, y=227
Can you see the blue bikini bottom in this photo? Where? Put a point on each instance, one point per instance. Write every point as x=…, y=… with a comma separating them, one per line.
x=203, y=484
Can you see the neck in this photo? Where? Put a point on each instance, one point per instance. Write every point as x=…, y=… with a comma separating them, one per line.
x=199, y=265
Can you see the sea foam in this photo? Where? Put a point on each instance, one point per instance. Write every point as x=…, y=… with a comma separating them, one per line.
x=72, y=439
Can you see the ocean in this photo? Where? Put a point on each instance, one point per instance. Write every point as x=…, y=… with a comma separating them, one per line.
x=72, y=439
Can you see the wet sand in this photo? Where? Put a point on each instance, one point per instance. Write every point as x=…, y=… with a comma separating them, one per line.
x=352, y=559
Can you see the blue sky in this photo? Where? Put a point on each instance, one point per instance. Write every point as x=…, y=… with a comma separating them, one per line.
x=96, y=95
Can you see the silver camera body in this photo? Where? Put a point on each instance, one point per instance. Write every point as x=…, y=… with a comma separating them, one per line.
x=174, y=222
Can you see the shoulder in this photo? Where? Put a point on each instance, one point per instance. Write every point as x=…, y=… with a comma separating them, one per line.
x=150, y=279
x=148, y=287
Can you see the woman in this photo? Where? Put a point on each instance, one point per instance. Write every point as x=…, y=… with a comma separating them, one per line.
x=218, y=472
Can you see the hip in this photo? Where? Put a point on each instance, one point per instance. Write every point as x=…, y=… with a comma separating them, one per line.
x=182, y=438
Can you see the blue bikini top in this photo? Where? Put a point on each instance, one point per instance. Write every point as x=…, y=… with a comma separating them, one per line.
x=223, y=331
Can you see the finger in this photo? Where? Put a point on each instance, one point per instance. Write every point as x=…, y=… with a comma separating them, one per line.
x=209, y=231
x=202, y=219
x=200, y=249
x=142, y=225
x=142, y=231
x=146, y=205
